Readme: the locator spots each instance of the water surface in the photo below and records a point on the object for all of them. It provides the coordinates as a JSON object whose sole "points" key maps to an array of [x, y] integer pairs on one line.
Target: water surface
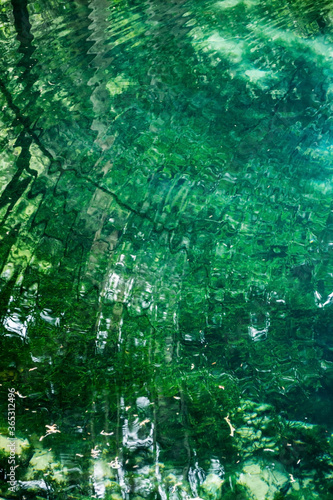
{"points": [[166, 250]]}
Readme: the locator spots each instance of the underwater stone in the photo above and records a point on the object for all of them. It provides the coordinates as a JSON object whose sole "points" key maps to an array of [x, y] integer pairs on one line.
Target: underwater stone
{"points": [[21, 445], [263, 481], [212, 487], [116, 496], [41, 460], [252, 469], [257, 486], [296, 486]]}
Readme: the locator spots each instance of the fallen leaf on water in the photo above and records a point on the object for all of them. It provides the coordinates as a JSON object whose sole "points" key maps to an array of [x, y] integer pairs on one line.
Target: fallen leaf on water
{"points": [[51, 429], [232, 429], [115, 464]]}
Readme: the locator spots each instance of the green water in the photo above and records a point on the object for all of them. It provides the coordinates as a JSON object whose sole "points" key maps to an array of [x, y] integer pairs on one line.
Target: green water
{"points": [[166, 249]]}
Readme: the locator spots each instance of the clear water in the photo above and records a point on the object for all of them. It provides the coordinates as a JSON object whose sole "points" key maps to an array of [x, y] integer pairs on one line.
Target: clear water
{"points": [[166, 250]]}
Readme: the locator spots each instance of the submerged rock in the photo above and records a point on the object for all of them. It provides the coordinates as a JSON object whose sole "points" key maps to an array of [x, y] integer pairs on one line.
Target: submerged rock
{"points": [[257, 486], [21, 445], [262, 480], [212, 487]]}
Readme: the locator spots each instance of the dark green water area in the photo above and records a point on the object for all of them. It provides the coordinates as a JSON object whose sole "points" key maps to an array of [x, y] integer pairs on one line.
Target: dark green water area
{"points": [[166, 249]]}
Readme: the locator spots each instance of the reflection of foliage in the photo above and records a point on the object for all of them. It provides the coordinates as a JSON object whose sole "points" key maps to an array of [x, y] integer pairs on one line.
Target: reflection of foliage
{"points": [[207, 407]]}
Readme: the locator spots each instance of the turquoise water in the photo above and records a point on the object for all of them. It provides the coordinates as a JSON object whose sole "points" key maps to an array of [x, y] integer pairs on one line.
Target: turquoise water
{"points": [[166, 254]]}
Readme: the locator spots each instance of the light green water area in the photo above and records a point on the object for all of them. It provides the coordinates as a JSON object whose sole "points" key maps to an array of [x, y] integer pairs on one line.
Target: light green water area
{"points": [[166, 249]]}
